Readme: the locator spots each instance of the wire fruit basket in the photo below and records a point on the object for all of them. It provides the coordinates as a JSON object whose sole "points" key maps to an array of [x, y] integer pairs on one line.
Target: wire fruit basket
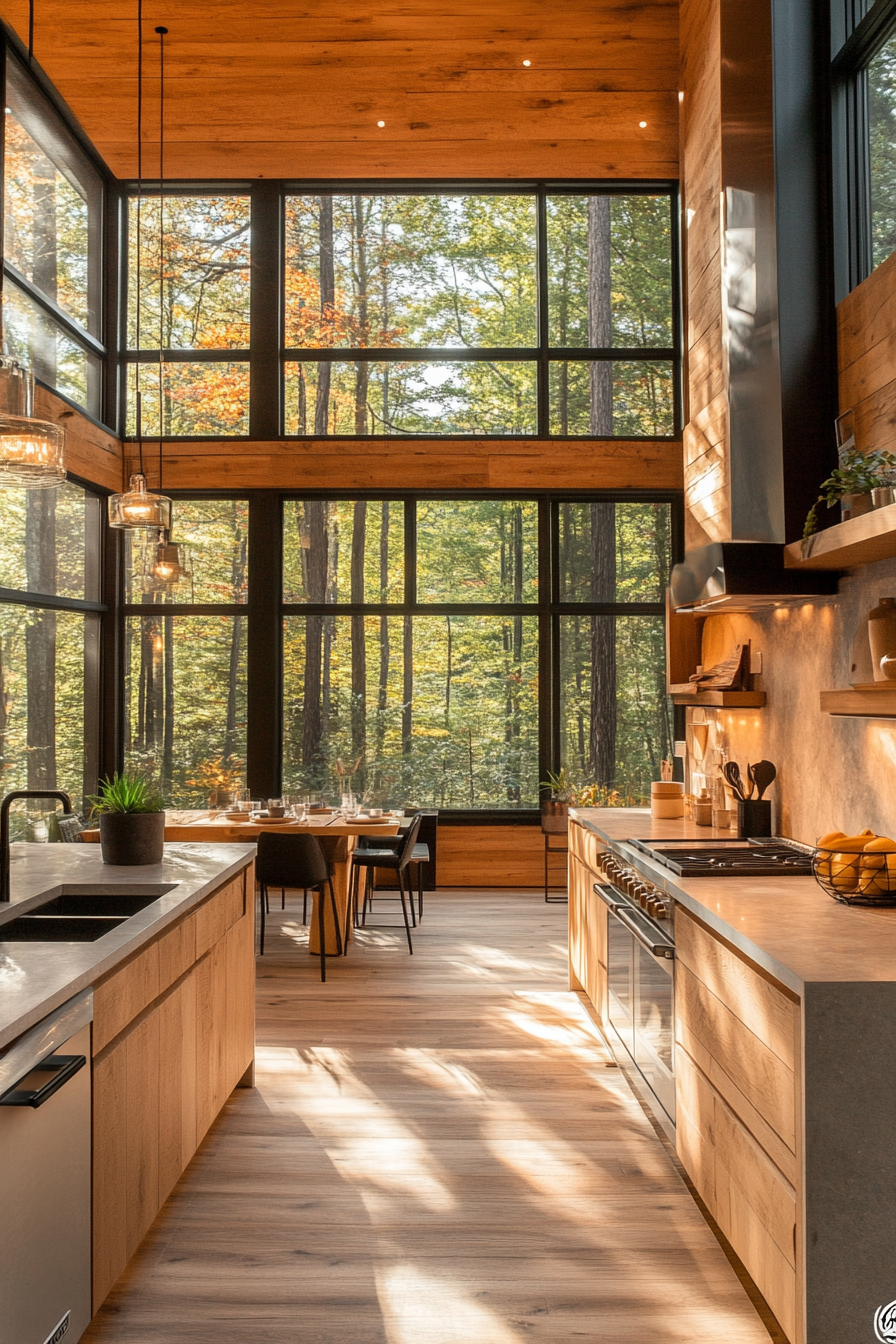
{"points": [[863, 878]]}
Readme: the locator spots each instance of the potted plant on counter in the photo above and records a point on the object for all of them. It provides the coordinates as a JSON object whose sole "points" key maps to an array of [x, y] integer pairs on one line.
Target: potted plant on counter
{"points": [[132, 821], [555, 810]]}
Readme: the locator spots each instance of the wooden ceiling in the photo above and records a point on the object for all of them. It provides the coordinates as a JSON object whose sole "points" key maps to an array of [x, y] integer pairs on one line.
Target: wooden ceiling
{"points": [[286, 88]]}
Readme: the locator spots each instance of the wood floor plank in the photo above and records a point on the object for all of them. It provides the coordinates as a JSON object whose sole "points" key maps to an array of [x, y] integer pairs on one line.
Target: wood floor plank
{"points": [[439, 1148]]}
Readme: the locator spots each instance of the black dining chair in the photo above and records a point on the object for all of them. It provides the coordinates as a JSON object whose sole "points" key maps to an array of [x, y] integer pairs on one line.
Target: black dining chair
{"points": [[398, 860], [296, 861], [421, 858]]}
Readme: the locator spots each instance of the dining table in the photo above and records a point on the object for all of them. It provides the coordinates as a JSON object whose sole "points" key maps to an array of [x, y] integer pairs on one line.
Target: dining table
{"points": [[337, 833]]}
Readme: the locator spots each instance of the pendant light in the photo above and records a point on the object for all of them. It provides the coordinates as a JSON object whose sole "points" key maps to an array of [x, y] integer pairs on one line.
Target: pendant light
{"points": [[137, 507], [32, 451]]}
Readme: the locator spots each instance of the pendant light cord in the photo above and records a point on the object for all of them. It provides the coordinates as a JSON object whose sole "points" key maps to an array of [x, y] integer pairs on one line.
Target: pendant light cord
{"points": [[139, 392], [161, 32]]}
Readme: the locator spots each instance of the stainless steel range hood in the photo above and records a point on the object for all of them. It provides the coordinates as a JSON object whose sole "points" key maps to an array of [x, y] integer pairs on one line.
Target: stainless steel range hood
{"points": [[769, 461], [742, 576]]}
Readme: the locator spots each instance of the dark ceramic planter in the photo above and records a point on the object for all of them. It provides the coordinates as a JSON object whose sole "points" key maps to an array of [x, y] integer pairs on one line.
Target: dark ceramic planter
{"points": [[554, 817], [131, 839]]}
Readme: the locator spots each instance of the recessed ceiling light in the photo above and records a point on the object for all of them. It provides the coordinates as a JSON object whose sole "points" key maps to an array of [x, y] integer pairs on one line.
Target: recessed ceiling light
{"points": [[681, 95], [527, 62], [642, 124], [381, 123]]}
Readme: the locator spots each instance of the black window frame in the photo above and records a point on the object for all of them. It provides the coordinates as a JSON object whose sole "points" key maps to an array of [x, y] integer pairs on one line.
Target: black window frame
{"points": [[857, 35], [265, 610], [95, 344], [267, 355]]}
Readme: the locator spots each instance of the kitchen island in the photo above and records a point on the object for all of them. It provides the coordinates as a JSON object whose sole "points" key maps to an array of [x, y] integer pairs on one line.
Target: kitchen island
{"points": [[173, 1015], [783, 1037]]}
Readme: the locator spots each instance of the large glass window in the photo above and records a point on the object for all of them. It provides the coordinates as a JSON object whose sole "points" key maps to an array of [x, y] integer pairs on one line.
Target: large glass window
{"points": [[438, 644], [882, 151], [185, 654], [188, 314], [49, 641], [52, 255]]}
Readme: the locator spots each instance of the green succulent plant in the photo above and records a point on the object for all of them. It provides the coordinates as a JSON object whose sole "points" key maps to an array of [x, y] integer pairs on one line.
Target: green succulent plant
{"points": [[126, 793], [857, 474]]}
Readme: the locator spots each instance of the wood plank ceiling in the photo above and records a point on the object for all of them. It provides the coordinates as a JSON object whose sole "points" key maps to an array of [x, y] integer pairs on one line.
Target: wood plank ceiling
{"points": [[275, 88]]}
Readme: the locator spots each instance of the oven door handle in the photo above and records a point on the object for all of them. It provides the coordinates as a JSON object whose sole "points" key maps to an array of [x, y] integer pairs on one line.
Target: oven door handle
{"points": [[662, 951], [607, 895]]}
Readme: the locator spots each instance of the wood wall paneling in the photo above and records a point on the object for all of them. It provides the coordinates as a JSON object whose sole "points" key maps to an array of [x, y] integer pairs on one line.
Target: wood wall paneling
{"points": [[496, 856], [866, 352], [448, 80]]}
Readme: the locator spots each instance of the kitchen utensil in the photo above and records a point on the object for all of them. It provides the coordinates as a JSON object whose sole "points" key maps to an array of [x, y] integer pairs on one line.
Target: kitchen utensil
{"points": [[764, 775], [731, 771]]}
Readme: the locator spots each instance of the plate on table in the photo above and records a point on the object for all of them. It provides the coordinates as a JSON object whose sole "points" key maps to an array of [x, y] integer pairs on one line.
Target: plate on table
{"points": [[265, 820], [238, 816], [371, 821]]}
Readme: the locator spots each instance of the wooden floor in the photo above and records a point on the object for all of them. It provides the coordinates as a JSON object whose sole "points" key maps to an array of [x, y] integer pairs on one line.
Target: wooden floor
{"points": [[439, 1150]]}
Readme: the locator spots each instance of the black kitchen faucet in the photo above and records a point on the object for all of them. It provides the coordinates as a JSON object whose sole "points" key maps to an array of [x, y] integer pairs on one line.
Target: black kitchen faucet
{"points": [[4, 826]]}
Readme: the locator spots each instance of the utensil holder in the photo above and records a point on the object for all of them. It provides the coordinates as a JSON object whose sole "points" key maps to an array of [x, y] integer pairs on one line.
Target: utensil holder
{"points": [[754, 818]]}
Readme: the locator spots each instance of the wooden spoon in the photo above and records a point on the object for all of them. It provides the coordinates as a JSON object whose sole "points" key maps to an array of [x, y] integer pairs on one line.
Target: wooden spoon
{"points": [[731, 771], [764, 773]]}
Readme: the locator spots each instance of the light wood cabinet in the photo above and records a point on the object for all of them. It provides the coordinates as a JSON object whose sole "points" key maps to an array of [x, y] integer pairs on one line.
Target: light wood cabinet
{"points": [[737, 1095], [174, 1032]]}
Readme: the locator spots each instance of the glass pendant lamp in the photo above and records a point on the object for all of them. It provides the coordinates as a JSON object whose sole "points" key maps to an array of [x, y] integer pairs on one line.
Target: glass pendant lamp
{"points": [[169, 569], [32, 452], [138, 507]]}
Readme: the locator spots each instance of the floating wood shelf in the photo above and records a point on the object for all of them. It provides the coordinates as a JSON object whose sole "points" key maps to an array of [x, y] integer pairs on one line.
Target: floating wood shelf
{"points": [[722, 699], [858, 541], [876, 700]]}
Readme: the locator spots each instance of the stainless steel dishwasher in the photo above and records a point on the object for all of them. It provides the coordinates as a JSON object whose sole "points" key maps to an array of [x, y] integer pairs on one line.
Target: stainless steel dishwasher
{"points": [[45, 1223]]}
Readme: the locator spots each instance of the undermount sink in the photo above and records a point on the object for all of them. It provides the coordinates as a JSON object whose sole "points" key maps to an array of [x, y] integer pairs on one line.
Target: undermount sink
{"points": [[81, 914], [58, 929]]}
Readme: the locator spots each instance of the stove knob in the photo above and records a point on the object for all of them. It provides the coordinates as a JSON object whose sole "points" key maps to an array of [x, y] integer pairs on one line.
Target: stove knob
{"points": [[660, 910]]}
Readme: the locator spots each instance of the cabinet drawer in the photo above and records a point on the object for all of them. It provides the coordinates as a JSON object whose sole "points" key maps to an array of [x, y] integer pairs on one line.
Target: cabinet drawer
{"points": [[584, 845], [219, 913], [748, 1196], [708, 1028]]}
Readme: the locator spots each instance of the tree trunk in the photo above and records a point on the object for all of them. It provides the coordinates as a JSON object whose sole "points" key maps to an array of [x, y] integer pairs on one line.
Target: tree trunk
{"points": [[362, 368], [383, 687], [316, 588], [40, 640], [168, 699], [599, 313], [602, 743], [359, 652], [327, 305], [238, 578], [407, 686]]}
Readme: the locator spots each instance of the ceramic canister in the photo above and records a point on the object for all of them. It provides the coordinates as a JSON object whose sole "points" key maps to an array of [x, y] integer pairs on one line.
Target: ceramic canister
{"points": [[882, 635], [666, 799]]}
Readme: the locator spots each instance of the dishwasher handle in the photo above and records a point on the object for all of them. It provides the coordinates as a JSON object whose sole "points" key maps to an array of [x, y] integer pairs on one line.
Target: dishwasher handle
{"points": [[64, 1067]]}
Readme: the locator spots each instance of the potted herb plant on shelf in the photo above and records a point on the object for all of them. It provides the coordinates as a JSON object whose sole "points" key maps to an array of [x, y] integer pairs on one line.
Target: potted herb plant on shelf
{"points": [[852, 484], [132, 821], [555, 810]]}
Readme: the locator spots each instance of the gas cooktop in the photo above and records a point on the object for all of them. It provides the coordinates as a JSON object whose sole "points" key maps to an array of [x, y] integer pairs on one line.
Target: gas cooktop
{"points": [[777, 857]]}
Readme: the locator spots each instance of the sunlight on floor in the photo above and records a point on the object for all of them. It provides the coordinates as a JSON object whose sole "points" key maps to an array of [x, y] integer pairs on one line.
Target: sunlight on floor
{"points": [[412, 1302]]}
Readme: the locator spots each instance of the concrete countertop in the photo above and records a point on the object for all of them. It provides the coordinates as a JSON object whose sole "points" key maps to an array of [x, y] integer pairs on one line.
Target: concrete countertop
{"points": [[36, 978], [787, 926]]}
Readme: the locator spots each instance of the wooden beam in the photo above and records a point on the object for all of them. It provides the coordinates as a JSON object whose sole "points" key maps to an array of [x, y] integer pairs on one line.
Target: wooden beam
{"points": [[408, 464], [91, 452]]}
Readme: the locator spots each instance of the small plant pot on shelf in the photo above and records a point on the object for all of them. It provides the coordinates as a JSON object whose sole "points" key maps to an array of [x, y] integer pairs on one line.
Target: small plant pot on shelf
{"points": [[554, 817], [132, 839], [853, 506], [856, 879]]}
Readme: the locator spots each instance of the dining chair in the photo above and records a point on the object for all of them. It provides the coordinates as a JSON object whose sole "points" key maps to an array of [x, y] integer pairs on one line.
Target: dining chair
{"points": [[422, 857], [398, 860], [296, 861]]}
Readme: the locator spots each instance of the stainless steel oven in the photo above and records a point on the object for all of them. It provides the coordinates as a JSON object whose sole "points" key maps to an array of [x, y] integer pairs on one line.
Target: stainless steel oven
{"points": [[641, 967]]}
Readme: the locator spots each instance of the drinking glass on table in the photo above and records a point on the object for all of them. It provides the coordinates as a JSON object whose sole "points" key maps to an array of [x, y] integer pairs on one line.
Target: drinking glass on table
{"points": [[349, 805]]}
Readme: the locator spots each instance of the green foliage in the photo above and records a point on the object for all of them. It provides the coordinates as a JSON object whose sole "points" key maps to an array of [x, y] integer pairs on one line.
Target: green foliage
{"points": [[562, 788], [126, 793], [882, 150], [857, 474]]}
